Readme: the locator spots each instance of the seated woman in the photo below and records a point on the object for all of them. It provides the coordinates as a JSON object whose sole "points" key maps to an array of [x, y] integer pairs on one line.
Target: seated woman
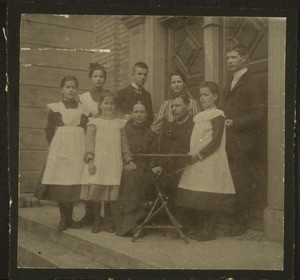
{"points": [[178, 88], [138, 173]]}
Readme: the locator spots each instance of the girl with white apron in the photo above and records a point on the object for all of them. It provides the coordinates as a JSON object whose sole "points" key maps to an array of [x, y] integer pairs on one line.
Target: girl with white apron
{"points": [[102, 173], [64, 166], [206, 184]]}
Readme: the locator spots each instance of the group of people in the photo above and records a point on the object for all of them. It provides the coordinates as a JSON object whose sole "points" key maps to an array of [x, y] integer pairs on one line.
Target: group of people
{"points": [[96, 141]]}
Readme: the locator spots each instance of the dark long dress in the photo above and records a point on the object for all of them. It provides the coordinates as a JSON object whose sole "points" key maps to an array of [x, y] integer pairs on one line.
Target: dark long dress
{"points": [[137, 185]]}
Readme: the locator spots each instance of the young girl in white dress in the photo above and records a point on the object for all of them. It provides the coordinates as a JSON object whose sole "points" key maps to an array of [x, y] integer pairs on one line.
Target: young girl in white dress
{"points": [[103, 157], [65, 132], [206, 184], [90, 100]]}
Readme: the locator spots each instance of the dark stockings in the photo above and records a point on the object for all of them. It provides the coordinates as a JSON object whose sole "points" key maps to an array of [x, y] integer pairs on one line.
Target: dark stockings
{"points": [[208, 222], [66, 216], [96, 208]]}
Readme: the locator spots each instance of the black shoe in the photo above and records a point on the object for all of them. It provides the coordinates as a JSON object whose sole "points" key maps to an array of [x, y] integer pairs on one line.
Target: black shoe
{"points": [[97, 227], [109, 228], [86, 220], [62, 226], [192, 233], [236, 230], [206, 235], [74, 224], [175, 235]]}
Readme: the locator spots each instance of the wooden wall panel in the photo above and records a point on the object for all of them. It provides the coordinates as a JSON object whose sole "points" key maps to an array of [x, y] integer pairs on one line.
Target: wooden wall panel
{"points": [[85, 23], [29, 180], [32, 160], [55, 36], [50, 77], [33, 139], [33, 118], [57, 58], [38, 97]]}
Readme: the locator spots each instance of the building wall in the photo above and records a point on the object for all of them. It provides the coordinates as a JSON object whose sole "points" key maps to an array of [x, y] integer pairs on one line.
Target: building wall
{"points": [[112, 35], [51, 47]]}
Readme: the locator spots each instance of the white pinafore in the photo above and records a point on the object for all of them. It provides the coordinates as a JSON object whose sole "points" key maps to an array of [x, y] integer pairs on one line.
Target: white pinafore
{"points": [[212, 174], [108, 156], [65, 163], [90, 105]]}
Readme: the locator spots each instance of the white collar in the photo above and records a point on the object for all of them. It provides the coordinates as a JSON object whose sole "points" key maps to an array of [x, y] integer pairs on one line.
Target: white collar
{"points": [[240, 73], [183, 121], [136, 87]]}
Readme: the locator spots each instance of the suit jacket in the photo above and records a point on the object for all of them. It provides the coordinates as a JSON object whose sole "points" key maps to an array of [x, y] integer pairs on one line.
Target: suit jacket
{"points": [[128, 96], [245, 105]]}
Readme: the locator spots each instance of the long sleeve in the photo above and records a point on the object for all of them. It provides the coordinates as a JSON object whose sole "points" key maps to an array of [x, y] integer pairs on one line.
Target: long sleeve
{"points": [[255, 113], [51, 125], [150, 110], [90, 142], [217, 133], [126, 152], [160, 120], [83, 122]]}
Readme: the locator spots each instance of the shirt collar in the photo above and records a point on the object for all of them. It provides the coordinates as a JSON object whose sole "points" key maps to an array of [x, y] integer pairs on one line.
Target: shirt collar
{"points": [[136, 87], [240, 73], [183, 121]]}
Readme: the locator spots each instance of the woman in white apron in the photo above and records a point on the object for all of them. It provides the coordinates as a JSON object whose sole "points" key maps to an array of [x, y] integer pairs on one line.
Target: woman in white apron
{"points": [[206, 185], [65, 132]]}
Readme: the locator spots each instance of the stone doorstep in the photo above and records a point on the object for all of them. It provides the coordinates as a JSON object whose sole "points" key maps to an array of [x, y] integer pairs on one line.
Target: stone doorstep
{"points": [[102, 254], [249, 251], [37, 252]]}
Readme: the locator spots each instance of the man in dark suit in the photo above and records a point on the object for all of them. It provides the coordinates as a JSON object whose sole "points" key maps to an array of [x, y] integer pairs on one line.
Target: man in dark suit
{"points": [[243, 104], [136, 92]]}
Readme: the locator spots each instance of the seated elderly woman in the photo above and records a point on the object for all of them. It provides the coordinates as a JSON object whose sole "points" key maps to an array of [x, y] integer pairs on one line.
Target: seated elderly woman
{"points": [[136, 188]]}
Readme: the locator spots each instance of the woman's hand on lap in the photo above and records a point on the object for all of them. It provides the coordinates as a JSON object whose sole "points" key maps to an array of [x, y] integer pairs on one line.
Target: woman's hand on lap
{"points": [[157, 170]]}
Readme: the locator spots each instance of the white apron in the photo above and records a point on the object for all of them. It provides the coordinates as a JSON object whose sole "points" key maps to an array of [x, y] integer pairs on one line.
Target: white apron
{"points": [[108, 156], [65, 163], [90, 105], [212, 174]]}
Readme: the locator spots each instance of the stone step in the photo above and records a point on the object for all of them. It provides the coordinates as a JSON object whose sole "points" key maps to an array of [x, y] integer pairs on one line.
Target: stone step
{"points": [[249, 251], [35, 251], [99, 248]]}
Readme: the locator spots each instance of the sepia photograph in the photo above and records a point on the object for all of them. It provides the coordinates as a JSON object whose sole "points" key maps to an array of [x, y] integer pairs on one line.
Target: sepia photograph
{"points": [[152, 142]]}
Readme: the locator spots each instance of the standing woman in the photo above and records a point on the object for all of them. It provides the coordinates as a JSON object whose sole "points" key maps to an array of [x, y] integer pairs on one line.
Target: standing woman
{"points": [[90, 100], [178, 87], [65, 134]]}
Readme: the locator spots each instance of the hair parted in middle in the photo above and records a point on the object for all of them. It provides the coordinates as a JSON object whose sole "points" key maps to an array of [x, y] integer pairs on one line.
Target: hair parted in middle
{"points": [[212, 86], [69, 78], [179, 73], [96, 66]]}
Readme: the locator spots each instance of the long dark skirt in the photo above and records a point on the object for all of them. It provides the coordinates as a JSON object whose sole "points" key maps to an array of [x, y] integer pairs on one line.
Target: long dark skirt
{"points": [[135, 190], [205, 201], [58, 193]]}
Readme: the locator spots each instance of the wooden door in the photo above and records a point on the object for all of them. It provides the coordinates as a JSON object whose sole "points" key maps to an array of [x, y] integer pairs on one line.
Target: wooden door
{"points": [[186, 51], [253, 34]]}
